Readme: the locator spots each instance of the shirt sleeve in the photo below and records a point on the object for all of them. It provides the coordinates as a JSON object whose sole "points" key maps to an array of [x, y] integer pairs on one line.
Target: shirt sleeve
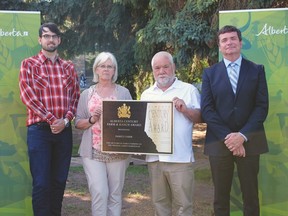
{"points": [[28, 96], [75, 95]]}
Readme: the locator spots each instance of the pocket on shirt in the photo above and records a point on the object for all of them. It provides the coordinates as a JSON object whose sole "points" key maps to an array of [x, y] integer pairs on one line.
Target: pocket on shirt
{"points": [[67, 81], [41, 80]]}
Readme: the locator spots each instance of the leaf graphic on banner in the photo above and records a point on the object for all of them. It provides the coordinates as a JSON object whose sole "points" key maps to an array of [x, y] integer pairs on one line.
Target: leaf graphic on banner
{"points": [[5, 60], [272, 51]]}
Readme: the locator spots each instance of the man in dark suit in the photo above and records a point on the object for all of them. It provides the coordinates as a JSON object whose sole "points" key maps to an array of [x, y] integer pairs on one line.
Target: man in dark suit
{"points": [[234, 105]]}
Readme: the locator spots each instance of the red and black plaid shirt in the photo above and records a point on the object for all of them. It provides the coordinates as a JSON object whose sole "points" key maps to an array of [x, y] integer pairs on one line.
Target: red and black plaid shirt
{"points": [[49, 90]]}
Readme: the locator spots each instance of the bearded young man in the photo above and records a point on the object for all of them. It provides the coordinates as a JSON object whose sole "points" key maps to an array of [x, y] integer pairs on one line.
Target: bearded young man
{"points": [[49, 89]]}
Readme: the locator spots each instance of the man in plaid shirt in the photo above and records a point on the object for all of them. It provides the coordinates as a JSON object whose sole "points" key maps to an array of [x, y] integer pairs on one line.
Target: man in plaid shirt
{"points": [[49, 89]]}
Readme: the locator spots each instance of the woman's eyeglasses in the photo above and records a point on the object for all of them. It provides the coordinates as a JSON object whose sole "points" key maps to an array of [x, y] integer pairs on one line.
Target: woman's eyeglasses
{"points": [[108, 67]]}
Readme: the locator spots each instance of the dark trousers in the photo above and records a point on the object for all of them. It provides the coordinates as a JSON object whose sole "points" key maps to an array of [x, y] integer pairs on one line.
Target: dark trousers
{"points": [[49, 156], [222, 173]]}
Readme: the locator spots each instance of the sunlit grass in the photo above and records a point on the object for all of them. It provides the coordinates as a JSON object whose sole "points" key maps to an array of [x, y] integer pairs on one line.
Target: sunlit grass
{"points": [[136, 195], [76, 192]]}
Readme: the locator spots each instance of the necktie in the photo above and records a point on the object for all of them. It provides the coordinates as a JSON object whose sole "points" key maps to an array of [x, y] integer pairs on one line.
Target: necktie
{"points": [[233, 76]]}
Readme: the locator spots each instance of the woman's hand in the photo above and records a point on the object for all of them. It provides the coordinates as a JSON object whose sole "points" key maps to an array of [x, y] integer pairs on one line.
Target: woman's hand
{"points": [[96, 115]]}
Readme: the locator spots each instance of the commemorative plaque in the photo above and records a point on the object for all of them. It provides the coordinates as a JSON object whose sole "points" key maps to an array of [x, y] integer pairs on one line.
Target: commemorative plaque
{"points": [[137, 127]]}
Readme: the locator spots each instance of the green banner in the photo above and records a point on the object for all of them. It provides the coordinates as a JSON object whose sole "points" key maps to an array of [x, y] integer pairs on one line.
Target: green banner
{"points": [[18, 40], [265, 40]]}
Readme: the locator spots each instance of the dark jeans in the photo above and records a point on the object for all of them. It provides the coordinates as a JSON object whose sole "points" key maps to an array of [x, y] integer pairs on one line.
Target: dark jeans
{"points": [[49, 156]]}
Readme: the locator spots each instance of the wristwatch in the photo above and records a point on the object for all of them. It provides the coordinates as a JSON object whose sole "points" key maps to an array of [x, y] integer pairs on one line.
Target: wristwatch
{"points": [[66, 122]]}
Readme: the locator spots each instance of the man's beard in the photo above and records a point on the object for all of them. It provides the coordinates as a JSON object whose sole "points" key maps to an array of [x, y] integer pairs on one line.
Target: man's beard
{"points": [[48, 49], [164, 82]]}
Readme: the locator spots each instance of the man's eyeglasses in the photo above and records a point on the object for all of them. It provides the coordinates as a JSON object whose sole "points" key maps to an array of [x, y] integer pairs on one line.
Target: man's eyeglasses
{"points": [[108, 67], [48, 37]]}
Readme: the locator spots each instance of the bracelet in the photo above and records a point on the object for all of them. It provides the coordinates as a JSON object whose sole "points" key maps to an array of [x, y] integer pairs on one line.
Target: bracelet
{"points": [[89, 120]]}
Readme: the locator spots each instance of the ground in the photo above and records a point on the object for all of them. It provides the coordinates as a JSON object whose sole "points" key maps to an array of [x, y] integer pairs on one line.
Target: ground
{"points": [[137, 190]]}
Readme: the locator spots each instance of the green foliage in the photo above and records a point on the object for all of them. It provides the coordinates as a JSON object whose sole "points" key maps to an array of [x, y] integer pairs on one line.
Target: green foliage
{"points": [[193, 72], [142, 81], [150, 39], [13, 5], [134, 30], [193, 33]]}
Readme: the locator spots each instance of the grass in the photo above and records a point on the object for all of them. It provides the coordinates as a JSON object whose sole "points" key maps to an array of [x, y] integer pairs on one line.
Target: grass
{"points": [[74, 186], [137, 188], [76, 169], [136, 183], [203, 175], [136, 192], [136, 170], [75, 148]]}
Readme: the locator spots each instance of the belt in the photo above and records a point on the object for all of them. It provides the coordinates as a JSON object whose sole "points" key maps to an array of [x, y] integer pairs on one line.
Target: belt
{"points": [[42, 125]]}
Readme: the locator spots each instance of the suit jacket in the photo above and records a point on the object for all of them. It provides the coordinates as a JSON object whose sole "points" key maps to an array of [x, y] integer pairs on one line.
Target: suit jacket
{"points": [[243, 112]]}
